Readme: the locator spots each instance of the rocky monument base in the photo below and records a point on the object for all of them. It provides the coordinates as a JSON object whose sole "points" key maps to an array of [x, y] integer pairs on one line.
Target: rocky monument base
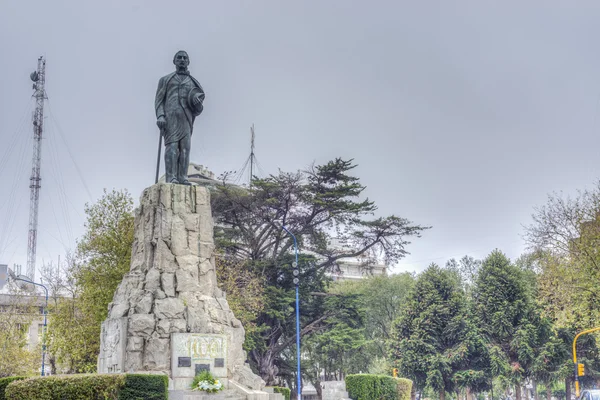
{"points": [[168, 316]]}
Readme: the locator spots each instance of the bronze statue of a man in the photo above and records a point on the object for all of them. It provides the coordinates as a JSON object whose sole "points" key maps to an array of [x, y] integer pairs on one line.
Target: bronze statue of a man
{"points": [[179, 100]]}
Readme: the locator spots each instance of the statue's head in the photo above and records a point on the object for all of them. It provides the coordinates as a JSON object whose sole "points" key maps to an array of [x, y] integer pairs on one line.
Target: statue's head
{"points": [[181, 59]]}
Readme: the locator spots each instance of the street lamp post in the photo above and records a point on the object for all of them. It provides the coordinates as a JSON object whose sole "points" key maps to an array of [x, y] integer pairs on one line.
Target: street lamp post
{"points": [[16, 278], [296, 282]]}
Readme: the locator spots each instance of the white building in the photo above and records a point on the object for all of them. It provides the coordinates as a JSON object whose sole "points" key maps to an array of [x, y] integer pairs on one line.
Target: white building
{"points": [[354, 268], [31, 310]]}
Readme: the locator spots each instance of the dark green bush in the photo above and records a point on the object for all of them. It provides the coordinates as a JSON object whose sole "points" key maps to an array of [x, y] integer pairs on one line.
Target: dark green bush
{"points": [[145, 387], [90, 387], [283, 390], [377, 387], [4, 383], [67, 387]]}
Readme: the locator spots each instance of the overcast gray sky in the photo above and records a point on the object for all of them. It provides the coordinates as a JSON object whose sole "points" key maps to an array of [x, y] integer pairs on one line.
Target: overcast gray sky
{"points": [[462, 115]]}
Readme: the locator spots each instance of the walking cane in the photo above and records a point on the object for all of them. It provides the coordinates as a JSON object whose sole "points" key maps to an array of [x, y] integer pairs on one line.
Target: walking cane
{"points": [[158, 159]]}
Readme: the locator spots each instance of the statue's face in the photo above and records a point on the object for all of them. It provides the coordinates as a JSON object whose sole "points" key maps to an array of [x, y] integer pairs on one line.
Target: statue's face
{"points": [[181, 59]]}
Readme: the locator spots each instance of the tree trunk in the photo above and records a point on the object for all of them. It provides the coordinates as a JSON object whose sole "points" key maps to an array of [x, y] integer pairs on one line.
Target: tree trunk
{"points": [[317, 385], [442, 394], [517, 391], [266, 367], [52, 365], [413, 392], [535, 393], [548, 392], [568, 388], [469, 395]]}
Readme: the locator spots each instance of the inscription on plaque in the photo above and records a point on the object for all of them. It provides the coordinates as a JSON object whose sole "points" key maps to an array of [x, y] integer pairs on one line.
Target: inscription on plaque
{"points": [[200, 351], [184, 361], [202, 367]]}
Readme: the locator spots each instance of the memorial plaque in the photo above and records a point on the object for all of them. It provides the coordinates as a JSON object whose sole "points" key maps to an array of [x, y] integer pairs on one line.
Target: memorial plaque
{"points": [[205, 351], [184, 361], [202, 367]]}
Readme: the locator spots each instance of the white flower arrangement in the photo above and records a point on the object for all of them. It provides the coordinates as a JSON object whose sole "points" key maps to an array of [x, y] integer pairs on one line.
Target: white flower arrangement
{"points": [[205, 382], [210, 387]]}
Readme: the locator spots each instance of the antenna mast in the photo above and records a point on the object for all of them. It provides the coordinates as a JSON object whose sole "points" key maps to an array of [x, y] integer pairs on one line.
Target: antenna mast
{"points": [[251, 153], [39, 80]]}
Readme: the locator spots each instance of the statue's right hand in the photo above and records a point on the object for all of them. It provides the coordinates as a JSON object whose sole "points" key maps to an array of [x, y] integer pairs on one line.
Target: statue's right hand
{"points": [[161, 123]]}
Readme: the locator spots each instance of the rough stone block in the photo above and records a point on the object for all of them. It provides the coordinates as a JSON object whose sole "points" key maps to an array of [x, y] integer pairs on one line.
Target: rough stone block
{"points": [[186, 282], [144, 305], [141, 325], [169, 308], [206, 249], [188, 263], [191, 222], [135, 344], [202, 196], [119, 310], [157, 354], [134, 361], [168, 284], [152, 279], [179, 237]]}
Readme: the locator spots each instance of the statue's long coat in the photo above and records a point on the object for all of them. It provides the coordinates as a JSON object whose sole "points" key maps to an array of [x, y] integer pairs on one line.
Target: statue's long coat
{"points": [[178, 113]]}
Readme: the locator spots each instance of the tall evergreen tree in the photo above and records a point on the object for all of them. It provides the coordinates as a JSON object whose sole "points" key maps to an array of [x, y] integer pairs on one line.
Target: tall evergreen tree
{"points": [[509, 319], [435, 343]]}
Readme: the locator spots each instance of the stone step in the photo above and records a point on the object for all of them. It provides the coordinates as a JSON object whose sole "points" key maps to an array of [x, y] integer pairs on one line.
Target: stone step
{"points": [[227, 394]]}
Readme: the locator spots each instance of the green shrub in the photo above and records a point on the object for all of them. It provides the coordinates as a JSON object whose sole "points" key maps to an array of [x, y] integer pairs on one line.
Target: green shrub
{"points": [[145, 387], [380, 387], [4, 383], [286, 392], [403, 387], [90, 387], [73, 387]]}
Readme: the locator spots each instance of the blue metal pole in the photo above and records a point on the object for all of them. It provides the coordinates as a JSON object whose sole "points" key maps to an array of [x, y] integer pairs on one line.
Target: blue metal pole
{"points": [[297, 318], [45, 320]]}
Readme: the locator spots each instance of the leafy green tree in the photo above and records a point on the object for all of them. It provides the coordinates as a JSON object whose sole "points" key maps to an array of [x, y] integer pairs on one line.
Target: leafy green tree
{"points": [[381, 299], [339, 350], [16, 315], [509, 319], [565, 235], [103, 257], [435, 342], [312, 204]]}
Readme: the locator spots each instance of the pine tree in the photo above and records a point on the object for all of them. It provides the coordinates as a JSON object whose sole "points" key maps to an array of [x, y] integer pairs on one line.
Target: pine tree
{"points": [[509, 319], [435, 342]]}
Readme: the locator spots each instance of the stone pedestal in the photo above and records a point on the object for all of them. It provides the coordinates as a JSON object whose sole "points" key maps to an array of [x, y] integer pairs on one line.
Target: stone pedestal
{"points": [[170, 295]]}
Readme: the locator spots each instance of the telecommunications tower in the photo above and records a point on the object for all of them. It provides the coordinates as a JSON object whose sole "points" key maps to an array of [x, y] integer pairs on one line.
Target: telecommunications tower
{"points": [[39, 80]]}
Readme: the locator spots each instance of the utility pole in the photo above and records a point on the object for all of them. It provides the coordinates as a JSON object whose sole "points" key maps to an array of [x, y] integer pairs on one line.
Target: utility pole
{"points": [[39, 80]]}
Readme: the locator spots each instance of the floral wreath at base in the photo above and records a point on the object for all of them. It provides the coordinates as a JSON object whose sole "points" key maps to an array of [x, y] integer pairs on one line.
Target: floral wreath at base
{"points": [[204, 381]]}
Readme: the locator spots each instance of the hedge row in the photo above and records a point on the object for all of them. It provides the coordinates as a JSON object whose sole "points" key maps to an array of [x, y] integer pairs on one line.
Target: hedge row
{"points": [[284, 391], [380, 387], [4, 383], [90, 387]]}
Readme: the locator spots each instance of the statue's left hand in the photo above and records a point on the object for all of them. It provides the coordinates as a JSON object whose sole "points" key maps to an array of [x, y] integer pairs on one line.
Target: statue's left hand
{"points": [[197, 100]]}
